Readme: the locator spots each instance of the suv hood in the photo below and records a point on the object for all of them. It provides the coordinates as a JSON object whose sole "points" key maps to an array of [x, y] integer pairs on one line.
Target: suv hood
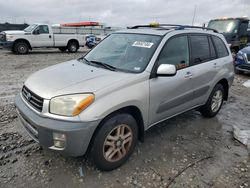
{"points": [[246, 50], [72, 77], [15, 32]]}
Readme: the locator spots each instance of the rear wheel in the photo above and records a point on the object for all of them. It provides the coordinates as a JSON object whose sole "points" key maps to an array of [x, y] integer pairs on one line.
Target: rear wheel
{"points": [[214, 102], [114, 142], [21, 48], [72, 47], [62, 49]]}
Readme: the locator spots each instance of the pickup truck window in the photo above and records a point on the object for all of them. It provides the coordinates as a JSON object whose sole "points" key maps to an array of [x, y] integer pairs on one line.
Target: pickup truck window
{"points": [[125, 52], [43, 29], [30, 28], [224, 26]]}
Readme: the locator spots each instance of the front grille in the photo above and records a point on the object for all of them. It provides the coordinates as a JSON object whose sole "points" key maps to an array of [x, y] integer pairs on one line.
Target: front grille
{"points": [[33, 99], [244, 66], [31, 129]]}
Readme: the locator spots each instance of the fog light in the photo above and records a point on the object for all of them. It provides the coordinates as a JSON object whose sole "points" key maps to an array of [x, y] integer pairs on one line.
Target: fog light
{"points": [[59, 140], [59, 144]]}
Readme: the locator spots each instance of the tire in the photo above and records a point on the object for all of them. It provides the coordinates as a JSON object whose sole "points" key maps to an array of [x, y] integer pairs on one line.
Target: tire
{"points": [[62, 49], [110, 147], [214, 102], [72, 47], [21, 48]]}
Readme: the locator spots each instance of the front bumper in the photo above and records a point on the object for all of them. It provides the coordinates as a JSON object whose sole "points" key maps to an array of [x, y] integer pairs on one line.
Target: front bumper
{"points": [[41, 129], [7, 44], [243, 67]]}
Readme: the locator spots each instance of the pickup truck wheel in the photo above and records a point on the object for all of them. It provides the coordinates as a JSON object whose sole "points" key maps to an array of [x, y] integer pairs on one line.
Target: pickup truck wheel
{"points": [[62, 49], [114, 142], [214, 102], [21, 48], [72, 47]]}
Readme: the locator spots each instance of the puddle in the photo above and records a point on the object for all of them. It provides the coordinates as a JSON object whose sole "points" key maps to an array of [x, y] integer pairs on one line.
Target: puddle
{"points": [[247, 84]]}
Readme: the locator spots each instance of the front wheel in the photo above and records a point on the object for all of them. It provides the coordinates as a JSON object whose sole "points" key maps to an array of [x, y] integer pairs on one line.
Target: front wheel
{"points": [[21, 48], [114, 142], [214, 102]]}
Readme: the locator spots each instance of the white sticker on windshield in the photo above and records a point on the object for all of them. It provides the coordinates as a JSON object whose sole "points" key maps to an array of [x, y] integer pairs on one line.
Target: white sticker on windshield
{"points": [[143, 44], [137, 68]]}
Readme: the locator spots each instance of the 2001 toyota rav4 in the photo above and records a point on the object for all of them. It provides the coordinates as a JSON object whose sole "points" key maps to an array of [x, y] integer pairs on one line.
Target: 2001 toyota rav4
{"points": [[103, 102]]}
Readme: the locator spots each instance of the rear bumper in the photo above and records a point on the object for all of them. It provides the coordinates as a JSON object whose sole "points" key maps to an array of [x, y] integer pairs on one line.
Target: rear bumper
{"points": [[7, 44], [41, 129]]}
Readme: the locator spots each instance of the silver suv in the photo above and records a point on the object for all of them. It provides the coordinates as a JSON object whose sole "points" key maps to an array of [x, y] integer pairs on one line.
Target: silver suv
{"points": [[103, 102]]}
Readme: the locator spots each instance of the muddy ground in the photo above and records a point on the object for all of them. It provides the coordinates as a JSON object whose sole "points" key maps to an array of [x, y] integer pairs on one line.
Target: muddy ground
{"points": [[169, 148]]}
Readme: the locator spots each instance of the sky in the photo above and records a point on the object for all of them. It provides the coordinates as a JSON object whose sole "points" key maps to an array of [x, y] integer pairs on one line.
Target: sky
{"points": [[120, 13]]}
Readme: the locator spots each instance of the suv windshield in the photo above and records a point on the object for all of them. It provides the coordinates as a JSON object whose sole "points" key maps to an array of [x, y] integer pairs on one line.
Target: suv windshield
{"points": [[30, 28], [224, 26], [125, 52]]}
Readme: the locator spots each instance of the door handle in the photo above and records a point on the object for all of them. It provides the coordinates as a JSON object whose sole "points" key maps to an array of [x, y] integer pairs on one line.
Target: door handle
{"points": [[188, 75], [215, 65], [50, 36]]}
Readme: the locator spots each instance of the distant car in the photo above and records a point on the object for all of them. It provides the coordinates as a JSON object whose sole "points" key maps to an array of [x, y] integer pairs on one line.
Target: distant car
{"points": [[93, 40], [242, 62]]}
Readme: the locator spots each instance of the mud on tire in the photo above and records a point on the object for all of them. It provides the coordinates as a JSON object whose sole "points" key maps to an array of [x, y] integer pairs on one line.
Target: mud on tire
{"points": [[114, 142], [214, 102]]}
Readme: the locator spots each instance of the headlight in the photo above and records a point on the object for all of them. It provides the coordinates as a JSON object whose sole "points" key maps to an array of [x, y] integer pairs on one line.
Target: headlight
{"points": [[240, 57], [70, 105], [9, 37]]}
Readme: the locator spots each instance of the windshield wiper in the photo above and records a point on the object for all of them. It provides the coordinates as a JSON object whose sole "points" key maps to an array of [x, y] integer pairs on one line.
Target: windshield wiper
{"points": [[105, 65]]}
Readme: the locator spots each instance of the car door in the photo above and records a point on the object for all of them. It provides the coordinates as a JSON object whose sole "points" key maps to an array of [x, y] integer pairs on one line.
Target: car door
{"points": [[42, 37], [205, 66], [174, 94]]}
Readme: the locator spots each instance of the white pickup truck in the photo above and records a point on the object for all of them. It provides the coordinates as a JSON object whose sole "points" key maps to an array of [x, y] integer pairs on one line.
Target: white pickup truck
{"points": [[42, 36]]}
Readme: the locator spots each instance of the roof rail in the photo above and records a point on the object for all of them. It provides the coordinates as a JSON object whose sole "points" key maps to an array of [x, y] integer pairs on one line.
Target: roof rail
{"points": [[154, 26], [171, 26], [196, 27]]}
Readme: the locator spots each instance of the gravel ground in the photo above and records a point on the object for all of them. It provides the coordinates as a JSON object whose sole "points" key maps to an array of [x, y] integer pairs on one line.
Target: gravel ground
{"points": [[185, 151]]}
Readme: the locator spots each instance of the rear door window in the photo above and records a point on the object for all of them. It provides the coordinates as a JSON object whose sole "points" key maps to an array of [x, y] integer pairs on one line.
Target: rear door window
{"points": [[199, 48], [220, 47], [212, 49], [175, 52]]}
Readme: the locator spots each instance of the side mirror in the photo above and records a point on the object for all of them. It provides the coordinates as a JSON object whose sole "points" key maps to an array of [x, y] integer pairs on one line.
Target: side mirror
{"points": [[166, 70]]}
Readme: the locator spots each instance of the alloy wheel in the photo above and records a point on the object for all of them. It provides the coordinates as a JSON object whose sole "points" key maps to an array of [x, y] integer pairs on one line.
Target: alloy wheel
{"points": [[117, 143]]}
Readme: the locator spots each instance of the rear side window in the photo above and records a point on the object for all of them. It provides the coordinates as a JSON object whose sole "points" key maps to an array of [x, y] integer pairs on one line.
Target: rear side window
{"points": [[220, 47], [212, 49], [200, 48], [175, 52]]}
